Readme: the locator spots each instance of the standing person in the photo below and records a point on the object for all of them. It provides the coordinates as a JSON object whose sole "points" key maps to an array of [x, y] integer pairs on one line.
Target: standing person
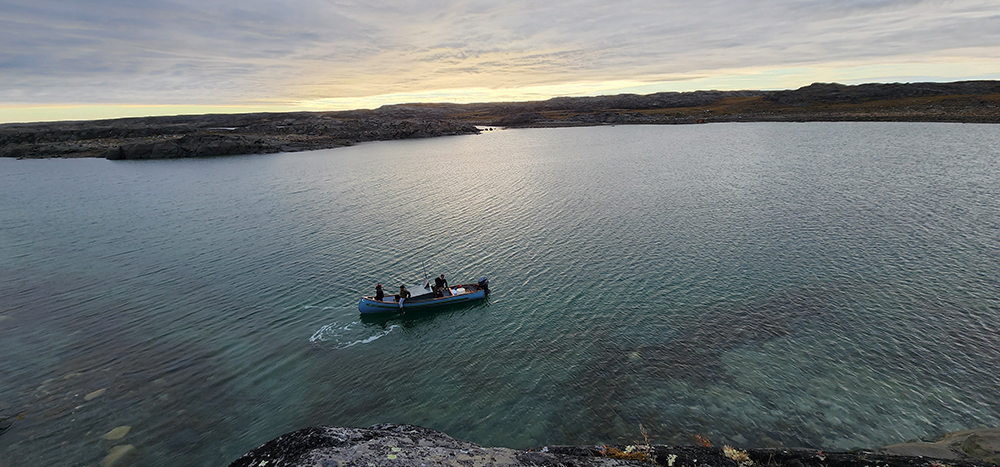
{"points": [[379, 295], [439, 284]]}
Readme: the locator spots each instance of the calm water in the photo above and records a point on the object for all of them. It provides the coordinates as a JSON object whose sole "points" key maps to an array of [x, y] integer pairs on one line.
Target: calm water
{"points": [[820, 285]]}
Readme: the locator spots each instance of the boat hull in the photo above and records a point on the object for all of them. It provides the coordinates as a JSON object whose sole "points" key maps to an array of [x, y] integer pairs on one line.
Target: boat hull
{"points": [[472, 292]]}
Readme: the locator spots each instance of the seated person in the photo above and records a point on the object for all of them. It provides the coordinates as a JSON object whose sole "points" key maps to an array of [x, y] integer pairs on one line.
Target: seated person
{"points": [[439, 284], [403, 293]]}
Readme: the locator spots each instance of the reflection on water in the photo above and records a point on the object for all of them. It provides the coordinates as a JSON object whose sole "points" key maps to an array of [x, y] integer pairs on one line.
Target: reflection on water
{"points": [[821, 285]]}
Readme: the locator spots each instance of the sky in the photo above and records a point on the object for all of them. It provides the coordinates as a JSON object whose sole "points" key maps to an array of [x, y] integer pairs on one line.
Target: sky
{"points": [[86, 59]]}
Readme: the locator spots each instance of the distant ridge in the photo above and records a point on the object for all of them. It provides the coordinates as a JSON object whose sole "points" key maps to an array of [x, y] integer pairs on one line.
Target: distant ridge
{"points": [[231, 134], [829, 93]]}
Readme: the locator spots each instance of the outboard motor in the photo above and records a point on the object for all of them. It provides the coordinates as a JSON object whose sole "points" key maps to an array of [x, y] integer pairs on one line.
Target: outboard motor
{"points": [[484, 284]]}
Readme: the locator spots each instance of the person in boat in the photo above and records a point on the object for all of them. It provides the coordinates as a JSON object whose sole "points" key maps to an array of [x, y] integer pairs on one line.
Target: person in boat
{"points": [[379, 295], [403, 293], [439, 284]]}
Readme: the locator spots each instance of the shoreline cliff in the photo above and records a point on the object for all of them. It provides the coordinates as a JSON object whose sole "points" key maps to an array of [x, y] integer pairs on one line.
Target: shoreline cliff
{"points": [[257, 133]]}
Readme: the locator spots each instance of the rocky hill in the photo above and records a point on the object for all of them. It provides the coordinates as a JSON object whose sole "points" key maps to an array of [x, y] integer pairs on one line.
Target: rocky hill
{"points": [[217, 135]]}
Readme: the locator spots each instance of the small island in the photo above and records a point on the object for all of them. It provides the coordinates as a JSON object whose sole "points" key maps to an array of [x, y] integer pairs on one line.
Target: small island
{"points": [[259, 133]]}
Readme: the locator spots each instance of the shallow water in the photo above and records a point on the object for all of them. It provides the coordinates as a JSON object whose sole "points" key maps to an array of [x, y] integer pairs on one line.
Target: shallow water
{"points": [[828, 285]]}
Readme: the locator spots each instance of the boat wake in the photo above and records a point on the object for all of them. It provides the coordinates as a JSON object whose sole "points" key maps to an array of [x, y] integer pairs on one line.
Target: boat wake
{"points": [[337, 336]]}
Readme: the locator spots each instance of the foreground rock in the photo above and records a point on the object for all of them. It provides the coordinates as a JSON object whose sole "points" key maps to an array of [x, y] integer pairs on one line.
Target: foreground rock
{"points": [[407, 445]]}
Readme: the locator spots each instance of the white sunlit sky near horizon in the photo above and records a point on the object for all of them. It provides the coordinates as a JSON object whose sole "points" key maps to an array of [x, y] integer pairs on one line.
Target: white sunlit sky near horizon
{"points": [[88, 59]]}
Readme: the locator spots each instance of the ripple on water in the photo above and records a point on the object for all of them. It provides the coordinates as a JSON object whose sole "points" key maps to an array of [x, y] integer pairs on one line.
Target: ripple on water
{"points": [[342, 336]]}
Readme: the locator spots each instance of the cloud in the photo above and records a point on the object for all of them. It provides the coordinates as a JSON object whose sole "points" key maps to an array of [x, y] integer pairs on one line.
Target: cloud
{"points": [[244, 52]]}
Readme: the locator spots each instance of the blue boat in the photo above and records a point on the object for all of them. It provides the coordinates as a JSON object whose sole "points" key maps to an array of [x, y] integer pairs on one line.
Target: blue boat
{"points": [[426, 300]]}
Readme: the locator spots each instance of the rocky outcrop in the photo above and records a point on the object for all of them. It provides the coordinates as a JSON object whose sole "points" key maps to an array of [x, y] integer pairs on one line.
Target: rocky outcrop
{"points": [[291, 135], [215, 135], [407, 445], [191, 146]]}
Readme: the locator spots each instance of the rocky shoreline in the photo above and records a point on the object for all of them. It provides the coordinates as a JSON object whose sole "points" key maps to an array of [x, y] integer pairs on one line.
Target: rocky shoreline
{"points": [[223, 135], [408, 445], [213, 135]]}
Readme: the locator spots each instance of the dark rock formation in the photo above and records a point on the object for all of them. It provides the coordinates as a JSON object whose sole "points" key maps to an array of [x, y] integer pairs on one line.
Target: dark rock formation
{"points": [[215, 135], [191, 146], [407, 445]]}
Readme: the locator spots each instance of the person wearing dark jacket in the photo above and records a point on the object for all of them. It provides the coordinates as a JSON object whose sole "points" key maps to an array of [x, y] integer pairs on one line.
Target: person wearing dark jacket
{"points": [[439, 284]]}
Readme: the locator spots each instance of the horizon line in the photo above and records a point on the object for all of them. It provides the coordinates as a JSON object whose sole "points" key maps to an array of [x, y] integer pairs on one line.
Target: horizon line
{"points": [[114, 111]]}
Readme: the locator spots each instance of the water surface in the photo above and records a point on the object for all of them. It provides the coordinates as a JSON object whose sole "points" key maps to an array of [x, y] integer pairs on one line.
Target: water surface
{"points": [[827, 285]]}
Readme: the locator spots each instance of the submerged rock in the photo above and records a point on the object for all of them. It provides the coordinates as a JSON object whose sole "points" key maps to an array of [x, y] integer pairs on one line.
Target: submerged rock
{"points": [[407, 445], [117, 433], [95, 394], [982, 444], [118, 455], [183, 440]]}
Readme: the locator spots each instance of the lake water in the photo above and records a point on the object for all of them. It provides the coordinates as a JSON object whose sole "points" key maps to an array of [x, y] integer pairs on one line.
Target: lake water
{"points": [[825, 285]]}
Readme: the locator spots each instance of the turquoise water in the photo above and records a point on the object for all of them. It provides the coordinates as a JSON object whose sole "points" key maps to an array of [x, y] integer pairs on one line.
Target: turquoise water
{"points": [[827, 285]]}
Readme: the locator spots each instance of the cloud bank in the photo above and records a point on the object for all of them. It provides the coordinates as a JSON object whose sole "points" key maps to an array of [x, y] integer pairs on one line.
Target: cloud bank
{"points": [[318, 52]]}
